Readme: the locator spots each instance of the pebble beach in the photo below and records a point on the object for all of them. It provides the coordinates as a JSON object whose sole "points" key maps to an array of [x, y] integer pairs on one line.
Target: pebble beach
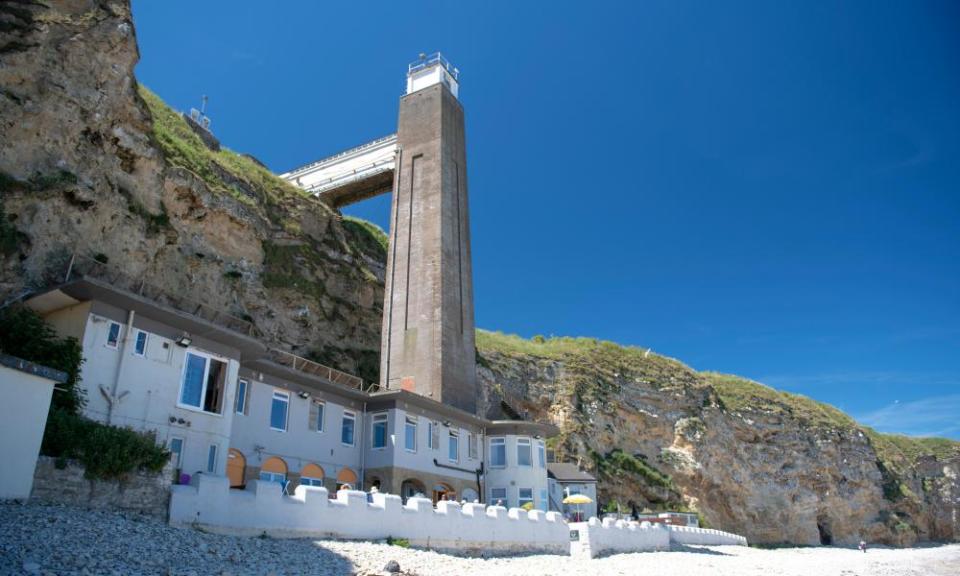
{"points": [[38, 539]]}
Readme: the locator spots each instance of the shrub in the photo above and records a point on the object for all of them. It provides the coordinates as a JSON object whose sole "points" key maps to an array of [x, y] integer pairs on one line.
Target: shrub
{"points": [[24, 334], [401, 542], [107, 452], [233, 274]]}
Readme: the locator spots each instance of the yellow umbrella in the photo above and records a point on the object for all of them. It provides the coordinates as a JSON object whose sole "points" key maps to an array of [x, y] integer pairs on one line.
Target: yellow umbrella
{"points": [[577, 499]]}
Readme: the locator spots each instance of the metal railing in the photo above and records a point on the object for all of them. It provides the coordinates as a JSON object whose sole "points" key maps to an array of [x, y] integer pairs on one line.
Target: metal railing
{"points": [[435, 59], [296, 171], [301, 364]]}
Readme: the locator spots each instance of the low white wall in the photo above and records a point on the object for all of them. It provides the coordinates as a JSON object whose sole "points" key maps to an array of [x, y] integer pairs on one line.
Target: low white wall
{"points": [[595, 538], [611, 537], [684, 535], [261, 508]]}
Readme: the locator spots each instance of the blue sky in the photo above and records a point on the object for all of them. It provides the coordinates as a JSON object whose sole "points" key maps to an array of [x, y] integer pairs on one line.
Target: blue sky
{"points": [[770, 189]]}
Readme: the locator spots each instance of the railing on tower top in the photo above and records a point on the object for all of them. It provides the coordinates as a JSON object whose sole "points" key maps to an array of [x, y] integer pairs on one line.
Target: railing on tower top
{"points": [[80, 267], [435, 59]]}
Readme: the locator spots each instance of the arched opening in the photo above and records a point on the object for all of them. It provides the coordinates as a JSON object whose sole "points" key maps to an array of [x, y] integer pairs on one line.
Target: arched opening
{"points": [[311, 475], [412, 487], [274, 470], [470, 495], [443, 491], [236, 468], [346, 479], [371, 482], [823, 527]]}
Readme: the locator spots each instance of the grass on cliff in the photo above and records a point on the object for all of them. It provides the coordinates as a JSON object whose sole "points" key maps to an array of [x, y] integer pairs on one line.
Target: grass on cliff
{"points": [[182, 147], [371, 237], [743, 395]]}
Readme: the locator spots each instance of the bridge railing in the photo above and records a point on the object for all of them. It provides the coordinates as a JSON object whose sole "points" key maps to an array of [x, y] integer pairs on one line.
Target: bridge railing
{"points": [[435, 59]]}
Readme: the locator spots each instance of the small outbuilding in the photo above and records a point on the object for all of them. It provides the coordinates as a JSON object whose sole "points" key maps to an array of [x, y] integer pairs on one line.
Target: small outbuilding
{"points": [[26, 389], [567, 479]]}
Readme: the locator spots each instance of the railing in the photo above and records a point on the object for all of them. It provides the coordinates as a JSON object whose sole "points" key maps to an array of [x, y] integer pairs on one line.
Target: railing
{"points": [[84, 267], [435, 59], [365, 171], [349, 151], [301, 364]]}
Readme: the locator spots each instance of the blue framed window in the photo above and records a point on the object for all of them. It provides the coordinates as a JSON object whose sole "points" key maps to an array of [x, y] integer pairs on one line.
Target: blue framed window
{"points": [[498, 452], [453, 449], [241, 407], [212, 459], [379, 436], [279, 407], [410, 434], [113, 335], [523, 452], [140, 344], [347, 426]]}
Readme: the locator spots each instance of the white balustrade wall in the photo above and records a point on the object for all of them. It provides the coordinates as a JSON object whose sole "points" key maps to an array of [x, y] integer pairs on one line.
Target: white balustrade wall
{"points": [[596, 538], [684, 535], [262, 508]]}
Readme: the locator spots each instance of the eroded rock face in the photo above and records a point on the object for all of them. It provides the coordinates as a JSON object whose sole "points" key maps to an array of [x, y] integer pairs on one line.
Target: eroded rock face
{"points": [[81, 173]]}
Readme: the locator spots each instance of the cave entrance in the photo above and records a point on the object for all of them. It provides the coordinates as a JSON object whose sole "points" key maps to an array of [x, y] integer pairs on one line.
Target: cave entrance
{"points": [[823, 527]]}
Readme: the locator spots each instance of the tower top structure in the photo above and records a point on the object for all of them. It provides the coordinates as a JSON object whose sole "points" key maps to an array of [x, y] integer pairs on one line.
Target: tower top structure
{"points": [[430, 70]]}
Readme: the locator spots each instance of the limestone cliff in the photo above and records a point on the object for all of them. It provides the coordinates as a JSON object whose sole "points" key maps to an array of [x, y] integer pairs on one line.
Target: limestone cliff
{"points": [[773, 466], [96, 168]]}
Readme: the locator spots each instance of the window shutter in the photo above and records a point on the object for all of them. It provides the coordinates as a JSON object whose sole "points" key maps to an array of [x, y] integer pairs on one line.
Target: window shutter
{"points": [[314, 412], [435, 440]]}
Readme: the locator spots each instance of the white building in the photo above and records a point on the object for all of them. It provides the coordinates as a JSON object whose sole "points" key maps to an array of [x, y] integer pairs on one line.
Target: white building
{"points": [[226, 404], [568, 480]]}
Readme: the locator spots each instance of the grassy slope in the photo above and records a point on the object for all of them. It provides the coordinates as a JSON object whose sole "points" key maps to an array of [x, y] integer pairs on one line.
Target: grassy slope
{"points": [[221, 170], [736, 394]]}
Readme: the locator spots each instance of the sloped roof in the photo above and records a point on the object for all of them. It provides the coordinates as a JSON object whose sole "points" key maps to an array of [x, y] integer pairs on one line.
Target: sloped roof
{"points": [[563, 472]]}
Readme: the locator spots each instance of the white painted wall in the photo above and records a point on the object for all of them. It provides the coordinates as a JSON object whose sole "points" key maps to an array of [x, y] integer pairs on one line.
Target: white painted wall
{"points": [[23, 416], [596, 538], [513, 477], [309, 513], [149, 387], [299, 445], [396, 454]]}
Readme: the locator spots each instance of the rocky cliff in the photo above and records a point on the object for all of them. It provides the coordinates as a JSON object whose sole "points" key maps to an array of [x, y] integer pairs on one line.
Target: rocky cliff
{"points": [[97, 169]]}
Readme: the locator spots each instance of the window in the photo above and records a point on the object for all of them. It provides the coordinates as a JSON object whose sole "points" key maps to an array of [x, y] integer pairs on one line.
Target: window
{"points": [[543, 500], [241, 406], [176, 451], [140, 344], [523, 451], [379, 436], [318, 411], [525, 497], [498, 453], [346, 428], [307, 481], [541, 455], [498, 496], [453, 450], [212, 459], [410, 434], [278, 411], [433, 435], [113, 335], [203, 382], [471, 446], [273, 477]]}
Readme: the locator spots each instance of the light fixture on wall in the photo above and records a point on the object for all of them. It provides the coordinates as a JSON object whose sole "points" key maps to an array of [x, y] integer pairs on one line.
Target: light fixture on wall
{"points": [[184, 340], [537, 437], [446, 423], [304, 394]]}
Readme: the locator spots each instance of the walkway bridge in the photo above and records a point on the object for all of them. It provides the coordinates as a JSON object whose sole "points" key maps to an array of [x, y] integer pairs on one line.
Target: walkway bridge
{"points": [[350, 176]]}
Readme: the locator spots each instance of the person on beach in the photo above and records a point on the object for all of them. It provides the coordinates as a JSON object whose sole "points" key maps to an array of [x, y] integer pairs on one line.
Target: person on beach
{"points": [[863, 546]]}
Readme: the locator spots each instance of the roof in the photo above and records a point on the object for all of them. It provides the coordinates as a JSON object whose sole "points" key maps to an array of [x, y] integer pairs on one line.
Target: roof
{"points": [[31, 368], [563, 472]]}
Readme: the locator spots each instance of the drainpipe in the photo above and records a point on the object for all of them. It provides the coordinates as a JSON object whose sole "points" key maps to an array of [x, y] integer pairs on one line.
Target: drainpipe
{"points": [[112, 399], [363, 448]]}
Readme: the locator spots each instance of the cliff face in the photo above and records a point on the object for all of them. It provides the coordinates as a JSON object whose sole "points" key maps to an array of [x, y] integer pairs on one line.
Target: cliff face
{"points": [[93, 166], [773, 466]]}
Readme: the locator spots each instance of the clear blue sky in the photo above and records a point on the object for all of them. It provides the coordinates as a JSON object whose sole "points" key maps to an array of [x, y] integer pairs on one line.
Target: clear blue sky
{"points": [[765, 188]]}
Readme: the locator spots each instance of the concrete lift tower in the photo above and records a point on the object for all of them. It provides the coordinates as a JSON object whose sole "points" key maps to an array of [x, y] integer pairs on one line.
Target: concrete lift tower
{"points": [[427, 343]]}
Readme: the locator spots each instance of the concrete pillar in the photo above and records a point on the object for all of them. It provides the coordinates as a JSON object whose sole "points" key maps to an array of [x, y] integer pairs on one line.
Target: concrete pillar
{"points": [[428, 332]]}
